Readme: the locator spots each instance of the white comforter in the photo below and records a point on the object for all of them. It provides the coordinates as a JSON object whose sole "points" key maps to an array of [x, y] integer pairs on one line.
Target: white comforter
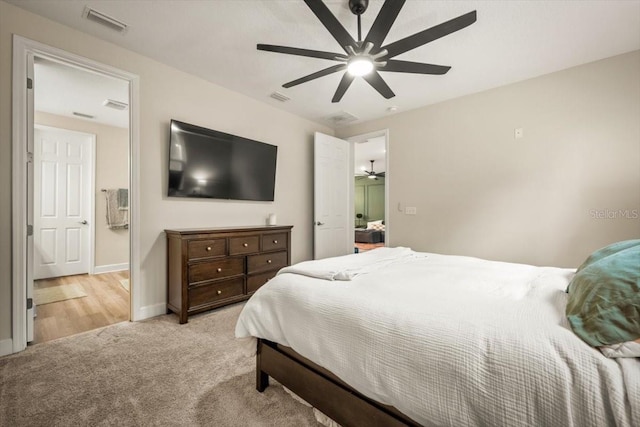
{"points": [[449, 340]]}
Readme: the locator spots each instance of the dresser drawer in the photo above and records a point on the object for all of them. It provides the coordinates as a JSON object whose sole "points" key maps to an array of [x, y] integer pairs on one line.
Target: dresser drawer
{"points": [[215, 269], [272, 242], [211, 293], [244, 245], [266, 262], [254, 282], [207, 248]]}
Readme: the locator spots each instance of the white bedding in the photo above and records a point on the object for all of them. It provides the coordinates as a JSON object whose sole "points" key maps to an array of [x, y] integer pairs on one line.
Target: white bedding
{"points": [[451, 340], [346, 268]]}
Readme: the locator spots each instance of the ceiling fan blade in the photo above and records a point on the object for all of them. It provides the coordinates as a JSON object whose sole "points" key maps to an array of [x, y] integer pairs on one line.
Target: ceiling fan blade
{"points": [[331, 23], [302, 52], [346, 81], [375, 80], [430, 34], [317, 74], [385, 19], [414, 67]]}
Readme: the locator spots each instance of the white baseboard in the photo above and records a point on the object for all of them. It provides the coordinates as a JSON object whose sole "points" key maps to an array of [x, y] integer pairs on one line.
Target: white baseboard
{"points": [[110, 268], [149, 311], [6, 347]]}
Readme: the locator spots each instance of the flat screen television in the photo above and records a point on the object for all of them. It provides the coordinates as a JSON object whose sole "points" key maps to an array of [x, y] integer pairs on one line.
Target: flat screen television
{"points": [[205, 163]]}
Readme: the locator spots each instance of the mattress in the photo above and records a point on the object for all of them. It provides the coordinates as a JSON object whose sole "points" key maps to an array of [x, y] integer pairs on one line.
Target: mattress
{"points": [[447, 340]]}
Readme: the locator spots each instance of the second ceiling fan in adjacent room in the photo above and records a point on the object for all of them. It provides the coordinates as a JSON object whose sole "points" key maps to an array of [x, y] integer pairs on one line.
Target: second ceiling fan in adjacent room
{"points": [[372, 174]]}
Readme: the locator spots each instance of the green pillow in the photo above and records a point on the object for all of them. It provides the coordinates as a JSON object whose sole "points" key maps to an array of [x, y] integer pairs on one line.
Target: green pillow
{"points": [[604, 296], [608, 250]]}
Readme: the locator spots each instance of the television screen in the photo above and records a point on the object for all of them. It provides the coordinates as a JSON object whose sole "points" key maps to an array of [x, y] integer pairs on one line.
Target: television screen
{"points": [[211, 164]]}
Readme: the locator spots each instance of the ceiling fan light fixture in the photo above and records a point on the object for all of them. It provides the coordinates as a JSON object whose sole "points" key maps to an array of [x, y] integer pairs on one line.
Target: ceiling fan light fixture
{"points": [[360, 66], [372, 177]]}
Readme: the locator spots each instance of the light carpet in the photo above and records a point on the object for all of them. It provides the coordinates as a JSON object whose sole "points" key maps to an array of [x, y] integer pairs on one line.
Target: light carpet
{"points": [[125, 284], [154, 372], [58, 293]]}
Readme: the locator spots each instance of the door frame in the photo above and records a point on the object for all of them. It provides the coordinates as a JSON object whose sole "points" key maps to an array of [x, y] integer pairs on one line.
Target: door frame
{"points": [[362, 138], [24, 48], [92, 193]]}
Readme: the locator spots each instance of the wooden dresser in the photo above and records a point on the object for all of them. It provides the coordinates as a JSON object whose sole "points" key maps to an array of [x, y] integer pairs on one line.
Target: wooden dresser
{"points": [[212, 267]]}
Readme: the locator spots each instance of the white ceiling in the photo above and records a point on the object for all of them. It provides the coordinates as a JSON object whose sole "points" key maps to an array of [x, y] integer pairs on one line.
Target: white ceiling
{"points": [[216, 40], [61, 89]]}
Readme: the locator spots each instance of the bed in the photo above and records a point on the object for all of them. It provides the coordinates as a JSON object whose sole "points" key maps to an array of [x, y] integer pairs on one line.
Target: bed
{"points": [[397, 337]]}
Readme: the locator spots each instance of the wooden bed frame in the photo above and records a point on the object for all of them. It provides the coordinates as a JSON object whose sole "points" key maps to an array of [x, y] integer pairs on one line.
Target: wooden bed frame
{"points": [[322, 389]]}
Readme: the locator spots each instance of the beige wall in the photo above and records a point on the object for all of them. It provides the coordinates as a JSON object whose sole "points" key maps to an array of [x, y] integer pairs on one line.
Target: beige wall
{"points": [[480, 192], [167, 93], [112, 171]]}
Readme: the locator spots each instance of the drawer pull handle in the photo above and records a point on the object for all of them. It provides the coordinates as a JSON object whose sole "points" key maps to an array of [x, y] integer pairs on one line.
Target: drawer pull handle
{"points": [[275, 242], [208, 248], [219, 292], [268, 261], [219, 270], [245, 245]]}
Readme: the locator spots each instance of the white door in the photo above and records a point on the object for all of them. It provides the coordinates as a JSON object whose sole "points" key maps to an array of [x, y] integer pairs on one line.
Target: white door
{"points": [[333, 210], [63, 162]]}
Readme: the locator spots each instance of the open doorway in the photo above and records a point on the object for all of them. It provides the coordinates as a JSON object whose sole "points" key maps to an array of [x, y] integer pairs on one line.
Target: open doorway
{"points": [[370, 184], [80, 251]]}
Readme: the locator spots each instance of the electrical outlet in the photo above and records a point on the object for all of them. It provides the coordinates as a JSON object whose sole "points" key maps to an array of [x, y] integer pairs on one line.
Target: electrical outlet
{"points": [[410, 210]]}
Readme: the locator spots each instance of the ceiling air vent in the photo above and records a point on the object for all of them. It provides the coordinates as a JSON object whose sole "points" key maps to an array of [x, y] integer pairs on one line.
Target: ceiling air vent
{"points": [[341, 118], [279, 97], [116, 105], [85, 116], [106, 20]]}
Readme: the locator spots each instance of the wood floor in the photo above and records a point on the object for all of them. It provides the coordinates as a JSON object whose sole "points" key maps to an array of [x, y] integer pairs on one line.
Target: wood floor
{"points": [[106, 303], [363, 247]]}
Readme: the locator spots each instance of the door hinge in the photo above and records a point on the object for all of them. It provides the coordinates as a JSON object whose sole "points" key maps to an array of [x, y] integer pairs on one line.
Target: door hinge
{"points": [[29, 303], [29, 83], [29, 230], [29, 157]]}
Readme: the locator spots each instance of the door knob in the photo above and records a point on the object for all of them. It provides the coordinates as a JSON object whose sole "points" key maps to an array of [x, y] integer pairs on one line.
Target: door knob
{"points": [[84, 222], [319, 223]]}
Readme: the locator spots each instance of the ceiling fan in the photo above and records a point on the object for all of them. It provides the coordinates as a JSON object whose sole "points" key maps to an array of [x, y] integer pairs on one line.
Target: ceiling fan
{"points": [[365, 58], [371, 174]]}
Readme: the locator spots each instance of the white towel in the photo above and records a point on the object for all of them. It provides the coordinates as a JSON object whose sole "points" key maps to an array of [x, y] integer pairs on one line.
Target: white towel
{"points": [[116, 218], [349, 266]]}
